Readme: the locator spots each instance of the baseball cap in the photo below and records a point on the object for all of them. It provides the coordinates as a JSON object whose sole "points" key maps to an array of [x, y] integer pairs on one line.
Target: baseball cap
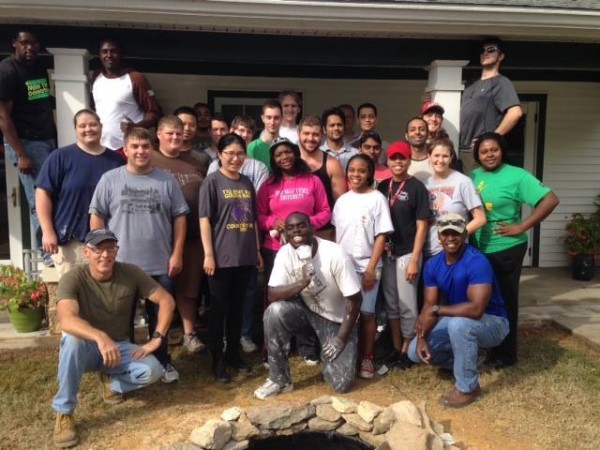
{"points": [[430, 106], [281, 141], [99, 235], [453, 222], [399, 148]]}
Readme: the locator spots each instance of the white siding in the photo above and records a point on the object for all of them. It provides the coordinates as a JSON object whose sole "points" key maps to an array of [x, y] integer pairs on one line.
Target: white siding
{"points": [[571, 157], [572, 141]]}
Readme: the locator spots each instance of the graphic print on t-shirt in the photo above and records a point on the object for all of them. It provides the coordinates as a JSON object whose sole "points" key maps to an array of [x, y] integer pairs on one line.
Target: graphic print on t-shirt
{"points": [[37, 89], [241, 215], [438, 199], [137, 200], [292, 193]]}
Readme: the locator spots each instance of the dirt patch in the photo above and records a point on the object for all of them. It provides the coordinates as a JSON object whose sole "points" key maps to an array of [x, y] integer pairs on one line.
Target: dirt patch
{"points": [[544, 402]]}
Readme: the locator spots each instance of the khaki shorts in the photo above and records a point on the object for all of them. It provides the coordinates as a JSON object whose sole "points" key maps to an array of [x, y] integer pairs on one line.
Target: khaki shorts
{"points": [[69, 256]]}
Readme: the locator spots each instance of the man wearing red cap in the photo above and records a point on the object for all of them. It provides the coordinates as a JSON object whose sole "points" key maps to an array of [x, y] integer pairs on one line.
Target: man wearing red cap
{"points": [[433, 114]]}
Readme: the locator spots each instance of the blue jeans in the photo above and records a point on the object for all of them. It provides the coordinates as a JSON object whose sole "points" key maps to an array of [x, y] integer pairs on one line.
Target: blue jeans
{"points": [[455, 341], [38, 151], [162, 353], [249, 304], [79, 355]]}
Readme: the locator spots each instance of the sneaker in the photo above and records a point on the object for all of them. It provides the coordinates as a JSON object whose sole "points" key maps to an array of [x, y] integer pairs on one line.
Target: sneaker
{"points": [[248, 345], [271, 388], [170, 374], [192, 344], [311, 360], [366, 369], [108, 395], [65, 434]]}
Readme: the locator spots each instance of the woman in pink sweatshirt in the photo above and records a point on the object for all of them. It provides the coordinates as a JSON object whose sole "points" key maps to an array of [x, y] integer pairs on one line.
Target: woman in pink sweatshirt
{"points": [[290, 188]]}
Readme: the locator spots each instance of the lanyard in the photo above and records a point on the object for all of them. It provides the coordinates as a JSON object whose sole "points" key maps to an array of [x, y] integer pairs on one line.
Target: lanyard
{"points": [[392, 198]]}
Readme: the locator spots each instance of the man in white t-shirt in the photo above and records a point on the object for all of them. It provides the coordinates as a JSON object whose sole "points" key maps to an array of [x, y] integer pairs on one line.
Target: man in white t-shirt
{"points": [[313, 289], [416, 134]]}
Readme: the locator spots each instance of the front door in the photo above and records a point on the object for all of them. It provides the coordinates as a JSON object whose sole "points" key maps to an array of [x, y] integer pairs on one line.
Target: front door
{"points": [[526, 150]]}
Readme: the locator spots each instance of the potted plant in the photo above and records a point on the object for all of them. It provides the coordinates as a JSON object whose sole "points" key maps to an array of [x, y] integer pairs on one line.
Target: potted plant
{"points": [[24, 299], [583, 243]]}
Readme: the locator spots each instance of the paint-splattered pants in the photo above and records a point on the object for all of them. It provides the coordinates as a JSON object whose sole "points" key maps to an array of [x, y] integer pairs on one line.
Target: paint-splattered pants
{"points": [[284, 319]]}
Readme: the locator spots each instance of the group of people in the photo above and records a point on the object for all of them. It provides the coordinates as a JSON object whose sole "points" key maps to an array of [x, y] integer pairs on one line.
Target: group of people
{"points": [[336, 220]]}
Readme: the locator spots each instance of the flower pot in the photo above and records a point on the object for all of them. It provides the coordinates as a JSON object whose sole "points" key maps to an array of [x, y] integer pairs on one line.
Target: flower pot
{"points": [[582, 267], [26, 320]]}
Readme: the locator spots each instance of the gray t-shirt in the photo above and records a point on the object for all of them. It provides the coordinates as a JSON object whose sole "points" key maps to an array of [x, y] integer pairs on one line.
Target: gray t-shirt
{"points": [[230, 205], [107, 305], [454, 195], [140, 209], [482, 107], [254, 169]]}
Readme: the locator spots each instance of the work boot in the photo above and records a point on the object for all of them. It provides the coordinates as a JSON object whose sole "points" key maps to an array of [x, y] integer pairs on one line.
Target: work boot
{"points": [[110, 397], [65, 434]]}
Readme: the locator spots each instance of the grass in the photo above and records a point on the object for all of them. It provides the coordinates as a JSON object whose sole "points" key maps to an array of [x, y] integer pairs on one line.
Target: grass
{"points": [[550, 400]]}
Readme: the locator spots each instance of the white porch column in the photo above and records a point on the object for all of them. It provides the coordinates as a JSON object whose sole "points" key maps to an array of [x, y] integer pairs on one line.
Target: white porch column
{"points": [[71, 89], [446, 86]]}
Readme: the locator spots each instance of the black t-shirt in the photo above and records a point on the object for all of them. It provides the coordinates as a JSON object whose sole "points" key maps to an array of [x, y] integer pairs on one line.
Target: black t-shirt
{"points": [[28, 88], [411, 204]]}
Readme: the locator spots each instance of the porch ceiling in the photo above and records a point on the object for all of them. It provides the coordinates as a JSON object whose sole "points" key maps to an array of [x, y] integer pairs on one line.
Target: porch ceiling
{"points": [[356, 19]]}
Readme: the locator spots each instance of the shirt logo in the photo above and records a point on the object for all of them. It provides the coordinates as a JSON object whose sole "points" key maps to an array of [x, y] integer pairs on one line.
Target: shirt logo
{"points": [[37, 89]]}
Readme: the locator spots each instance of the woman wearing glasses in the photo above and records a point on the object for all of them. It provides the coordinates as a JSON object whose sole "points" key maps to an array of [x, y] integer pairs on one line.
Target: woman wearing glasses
{"points": [[229, 236], [504, 189], [64, 190]]}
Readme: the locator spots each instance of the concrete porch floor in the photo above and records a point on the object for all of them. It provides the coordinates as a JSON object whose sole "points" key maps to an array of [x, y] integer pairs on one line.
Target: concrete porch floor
{"points": [[548, 294]]}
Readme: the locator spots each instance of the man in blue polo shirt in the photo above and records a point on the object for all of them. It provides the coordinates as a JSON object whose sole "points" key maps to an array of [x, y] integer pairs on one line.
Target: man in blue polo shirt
{"points": [[463, 311]]}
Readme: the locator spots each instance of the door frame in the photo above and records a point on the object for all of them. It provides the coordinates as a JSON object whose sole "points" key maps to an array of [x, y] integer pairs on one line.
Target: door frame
{"points": [[537, 168]]}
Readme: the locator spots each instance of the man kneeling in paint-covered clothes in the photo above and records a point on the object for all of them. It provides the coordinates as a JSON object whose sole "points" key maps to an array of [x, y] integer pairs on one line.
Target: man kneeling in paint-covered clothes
{"points": [[472, 315], [95, 304], [313, 289]]}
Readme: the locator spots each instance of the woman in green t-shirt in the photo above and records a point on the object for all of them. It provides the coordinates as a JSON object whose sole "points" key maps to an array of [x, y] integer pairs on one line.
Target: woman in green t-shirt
{"points": [[504, 189]]}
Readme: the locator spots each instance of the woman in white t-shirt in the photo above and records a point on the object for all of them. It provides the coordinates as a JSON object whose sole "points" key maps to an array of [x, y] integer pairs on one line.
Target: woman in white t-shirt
{"points": [[450, 192], [362, 220]]}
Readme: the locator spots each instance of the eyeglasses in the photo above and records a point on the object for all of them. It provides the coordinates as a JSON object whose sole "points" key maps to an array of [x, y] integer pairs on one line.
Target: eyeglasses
{"points": [[489, 49], [100, 250], [456, 223], [231, 155]]}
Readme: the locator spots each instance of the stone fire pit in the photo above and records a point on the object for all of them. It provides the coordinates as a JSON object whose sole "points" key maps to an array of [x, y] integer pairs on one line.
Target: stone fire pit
{"points": [[401, 425]]}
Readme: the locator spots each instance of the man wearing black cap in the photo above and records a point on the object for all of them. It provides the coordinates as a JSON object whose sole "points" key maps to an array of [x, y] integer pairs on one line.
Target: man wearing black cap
{"points": [[488, 104], [94, 308], [472, 314]]}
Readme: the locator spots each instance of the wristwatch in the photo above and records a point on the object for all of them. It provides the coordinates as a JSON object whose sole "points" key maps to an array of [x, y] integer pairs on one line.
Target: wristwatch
{"points": [[158, 335], [435, 309]]}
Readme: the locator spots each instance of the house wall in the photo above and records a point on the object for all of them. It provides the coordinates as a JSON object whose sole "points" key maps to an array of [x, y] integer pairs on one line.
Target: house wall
{"points": [[572, 134], [571, 157]]}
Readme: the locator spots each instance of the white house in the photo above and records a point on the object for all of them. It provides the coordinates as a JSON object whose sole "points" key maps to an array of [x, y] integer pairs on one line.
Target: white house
{"points": [[235, 53]]}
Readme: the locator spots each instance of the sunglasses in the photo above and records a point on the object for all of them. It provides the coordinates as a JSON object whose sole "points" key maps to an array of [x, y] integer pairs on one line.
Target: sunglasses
{"points": [[456, 223], [489, 49]]}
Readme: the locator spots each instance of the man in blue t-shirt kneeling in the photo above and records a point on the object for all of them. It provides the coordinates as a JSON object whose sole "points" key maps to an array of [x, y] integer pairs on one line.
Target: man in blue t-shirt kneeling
{"points": [[463, 311]]}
